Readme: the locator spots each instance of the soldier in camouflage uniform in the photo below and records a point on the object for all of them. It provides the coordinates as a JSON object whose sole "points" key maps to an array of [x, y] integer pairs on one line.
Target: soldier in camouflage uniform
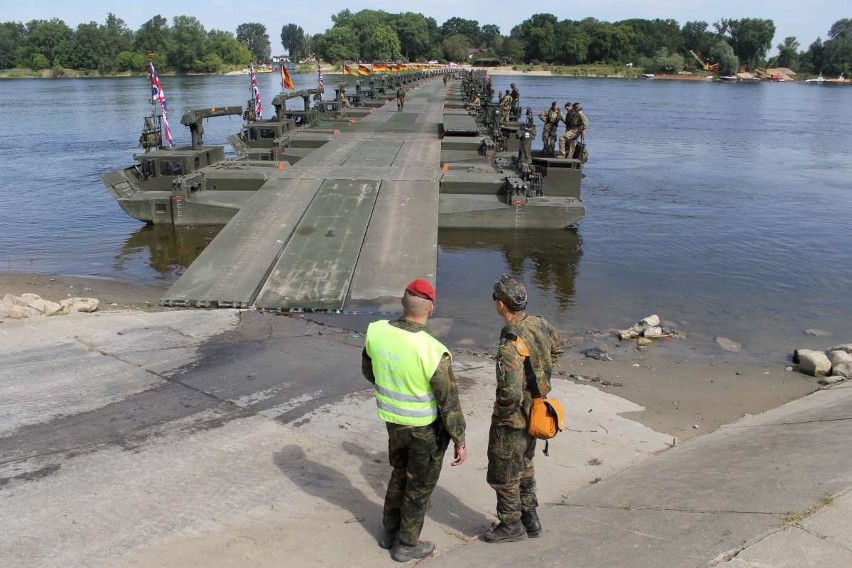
{"points": [[417, 397], [505, 107], [551, 118], [516, 102], [576, 123], [510, 447]]}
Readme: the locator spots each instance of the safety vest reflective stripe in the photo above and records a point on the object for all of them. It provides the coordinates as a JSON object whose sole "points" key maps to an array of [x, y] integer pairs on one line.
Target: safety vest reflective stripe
{"points": [[430, 412], [405, 397]]}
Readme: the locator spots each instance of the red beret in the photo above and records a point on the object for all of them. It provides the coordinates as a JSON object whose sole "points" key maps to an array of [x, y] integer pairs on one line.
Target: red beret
{"points": [[421, 289]]}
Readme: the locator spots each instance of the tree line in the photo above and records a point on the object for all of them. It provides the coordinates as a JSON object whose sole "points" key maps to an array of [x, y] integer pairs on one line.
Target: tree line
{"points": [[659, 45]]}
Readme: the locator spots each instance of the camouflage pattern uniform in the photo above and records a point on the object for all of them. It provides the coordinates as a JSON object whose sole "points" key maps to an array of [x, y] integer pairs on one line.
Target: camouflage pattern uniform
{"points": [[576, 123], [510, 447], [551, 118], [416, 453], [505, 107], [516, 102]]}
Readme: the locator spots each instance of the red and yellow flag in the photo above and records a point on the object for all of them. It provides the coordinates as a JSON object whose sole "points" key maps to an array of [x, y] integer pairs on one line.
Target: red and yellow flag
{"points": [[286, 81], [380, 68], [364, 70], [349, 71]]}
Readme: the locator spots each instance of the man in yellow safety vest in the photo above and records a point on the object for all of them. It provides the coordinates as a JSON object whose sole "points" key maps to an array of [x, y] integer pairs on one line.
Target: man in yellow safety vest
{"points": [[417, 397]]}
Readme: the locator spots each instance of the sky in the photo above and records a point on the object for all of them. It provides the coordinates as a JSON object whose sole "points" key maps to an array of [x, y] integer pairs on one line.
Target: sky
{"points": [[804, 20]]}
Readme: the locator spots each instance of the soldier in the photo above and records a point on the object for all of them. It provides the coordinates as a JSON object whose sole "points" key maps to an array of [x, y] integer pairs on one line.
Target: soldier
{"points": [[528, 344], [576, 123], [342, 102], [417, 397], [526, 134], [551, 118], [505, 107], [516, 101], [400, 98]]}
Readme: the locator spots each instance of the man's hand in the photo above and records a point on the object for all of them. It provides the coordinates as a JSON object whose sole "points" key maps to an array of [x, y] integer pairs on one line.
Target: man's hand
{"points": [[460, 453]]}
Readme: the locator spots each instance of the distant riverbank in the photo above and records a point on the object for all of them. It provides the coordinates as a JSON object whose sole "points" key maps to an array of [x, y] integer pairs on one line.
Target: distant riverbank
{"points": [[603, 71]]}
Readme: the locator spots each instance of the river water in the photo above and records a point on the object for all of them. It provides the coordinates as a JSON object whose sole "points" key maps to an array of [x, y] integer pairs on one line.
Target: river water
{"points": [[724, 208]]}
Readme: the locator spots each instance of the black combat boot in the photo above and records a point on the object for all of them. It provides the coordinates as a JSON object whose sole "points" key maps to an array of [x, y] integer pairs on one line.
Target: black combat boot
{"points": [[404, 553], [388, 539], [505, 532], [531, 523]]}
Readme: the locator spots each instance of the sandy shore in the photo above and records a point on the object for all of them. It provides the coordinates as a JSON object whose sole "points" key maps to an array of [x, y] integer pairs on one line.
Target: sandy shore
{"points": [[683, 394]]}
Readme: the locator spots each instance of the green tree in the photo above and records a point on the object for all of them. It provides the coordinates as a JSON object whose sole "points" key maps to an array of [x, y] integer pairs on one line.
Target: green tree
{"points": [[226, 46], [698, 38], [363, 24], [572, 43], [838, 48], [663, 62], [722, 52], [538, 35], [811, 61], [12, 35], [46, 38], [455, 48], [750, 38], [153, 36], [338, 44], [84, 51], [460, 26], [490, 35], [188, 43], [293, 39], [415, 33], [649, 36], [788, 53], [130, 61], [254, 37], [383, 45], [210, 63], [610, 43], [115, 37]]}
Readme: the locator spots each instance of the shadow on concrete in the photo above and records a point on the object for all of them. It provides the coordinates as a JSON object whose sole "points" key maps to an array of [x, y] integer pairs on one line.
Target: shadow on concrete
{"points": [[330, 485], [447, 509]]}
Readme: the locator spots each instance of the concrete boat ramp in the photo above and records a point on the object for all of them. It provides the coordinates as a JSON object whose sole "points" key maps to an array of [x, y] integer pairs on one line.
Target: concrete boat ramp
{"points": [[355, 219]]}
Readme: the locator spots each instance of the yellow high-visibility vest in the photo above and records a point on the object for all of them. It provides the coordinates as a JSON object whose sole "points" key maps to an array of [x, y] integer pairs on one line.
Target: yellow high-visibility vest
{"points": [[403, 363]]}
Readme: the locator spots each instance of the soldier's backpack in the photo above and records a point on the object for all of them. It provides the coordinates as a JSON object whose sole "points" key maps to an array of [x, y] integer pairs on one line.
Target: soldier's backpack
{"points": [[581, 153]]}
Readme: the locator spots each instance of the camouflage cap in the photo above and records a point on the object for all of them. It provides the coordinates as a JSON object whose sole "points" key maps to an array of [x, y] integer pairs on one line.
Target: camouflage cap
{"points": [[511, 292]]}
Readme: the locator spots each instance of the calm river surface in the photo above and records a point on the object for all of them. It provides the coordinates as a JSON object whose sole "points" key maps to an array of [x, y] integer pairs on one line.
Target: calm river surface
{"points": [[725, 209]]}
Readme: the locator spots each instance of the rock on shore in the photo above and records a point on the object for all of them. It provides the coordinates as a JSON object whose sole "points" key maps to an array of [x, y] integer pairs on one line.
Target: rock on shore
{"points": [[33, 305]]}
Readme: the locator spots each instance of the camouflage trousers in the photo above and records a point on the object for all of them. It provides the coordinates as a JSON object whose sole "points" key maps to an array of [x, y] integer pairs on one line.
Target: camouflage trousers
{"points": [[416, 455], [548, 136], [568, 142], [510, 471]]}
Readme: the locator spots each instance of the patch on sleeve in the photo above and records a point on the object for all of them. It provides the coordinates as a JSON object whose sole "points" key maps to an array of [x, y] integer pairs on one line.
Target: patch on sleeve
{"points": [[523, 351]]}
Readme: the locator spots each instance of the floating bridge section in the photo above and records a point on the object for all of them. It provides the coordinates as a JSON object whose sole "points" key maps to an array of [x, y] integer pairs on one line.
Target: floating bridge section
{"points": [[353, 221]]}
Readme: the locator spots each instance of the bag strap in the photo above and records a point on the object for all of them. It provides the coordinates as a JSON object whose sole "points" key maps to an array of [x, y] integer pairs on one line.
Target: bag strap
{"points": [[532, 384]]}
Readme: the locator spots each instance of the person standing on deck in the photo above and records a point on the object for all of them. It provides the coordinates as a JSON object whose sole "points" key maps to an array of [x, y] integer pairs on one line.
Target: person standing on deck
{"points": [[400, 98], [551, 118], [577, 123]]}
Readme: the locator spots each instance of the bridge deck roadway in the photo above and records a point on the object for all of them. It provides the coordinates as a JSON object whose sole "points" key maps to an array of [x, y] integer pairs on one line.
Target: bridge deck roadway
{"points": [[355, 219]]}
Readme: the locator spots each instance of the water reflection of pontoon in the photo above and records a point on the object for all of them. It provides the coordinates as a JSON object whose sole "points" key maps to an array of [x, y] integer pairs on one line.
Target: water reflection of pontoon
{"points": [[170, 249], [551, 257]]}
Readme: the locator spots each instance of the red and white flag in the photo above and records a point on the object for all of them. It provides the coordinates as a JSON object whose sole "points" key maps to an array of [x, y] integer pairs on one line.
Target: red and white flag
{"points": [[255, 93], [158, 95]]}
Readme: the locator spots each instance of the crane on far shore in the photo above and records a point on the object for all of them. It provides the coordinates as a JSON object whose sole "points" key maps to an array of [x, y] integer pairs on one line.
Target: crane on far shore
{"points": [[714, 67]]}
